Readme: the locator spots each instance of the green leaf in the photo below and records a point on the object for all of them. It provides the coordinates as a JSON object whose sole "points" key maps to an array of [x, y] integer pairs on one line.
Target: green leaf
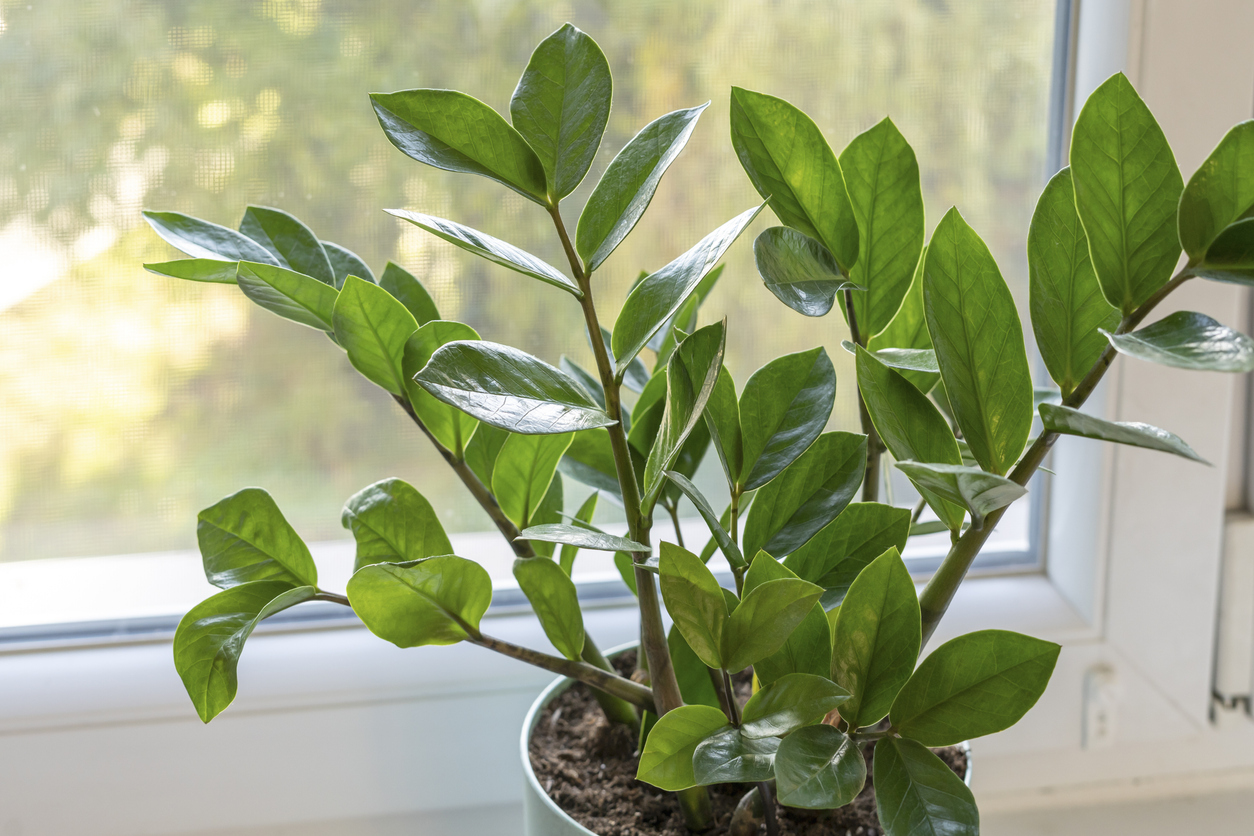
{"points": [[628, 184], [407, 290], [693, 676], [523, 471], [978, 491], [291, 243], [882, 177], [764, 620], [835, 556], [730, 757], [790, 703], [1063, 419], [561, 105], [877, 640], [493, 249], [901, 359], [550, 512], [583, 515], [373, 327], [908, 330], [809, 494], [725, 543], [663, 342], [1127, 188], [917, 794], [656, 299], [666, 761], [792, 166], [1065, 299], [691, 454], [583, 538], [210, 638], [590, 460], [245, 537], [1188, 340], [976, 684], [345, 263], [1231, 257], [456, 132], [204, 240], [290, 295], [482, 449], [451, 427], [626, 568], [587, 381], [196, 270], [808, 650], [798, 270], [393, 523], [555, 602], [979, 344], [784, 408], [510, 389], [722, 417], [695, 602], [431, 601], [818, 768], [1220, 192]]}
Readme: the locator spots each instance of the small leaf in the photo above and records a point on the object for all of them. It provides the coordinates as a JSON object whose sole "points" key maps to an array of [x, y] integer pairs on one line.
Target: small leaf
{"points": [[695, 602], [289, 241], [1220, 192], [555, 602], [980, 492], [722, 417], [245, 537], [628, 185], [373, 327], [508, 388], [407, 290], [808, 650], [818, 768], [393, 523], [798, 270], [666, 761], [204, 240], [691, 673], [431, 601], [584, 515], [590, 461], [197, 270], [790, 703], [835, 556], [450, 426], [550, 512], [345, 263], [583, 538], [1188, 340], [764, 620], [290, 295], [626, 569], [917, 793], [730, 757], [1063, 419], [784, 408], [725, 543], [523, 471], [482, 449]]}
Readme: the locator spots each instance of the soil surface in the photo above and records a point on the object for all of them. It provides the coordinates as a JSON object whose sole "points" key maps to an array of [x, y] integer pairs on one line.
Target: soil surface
{"points": [[588, 767]]}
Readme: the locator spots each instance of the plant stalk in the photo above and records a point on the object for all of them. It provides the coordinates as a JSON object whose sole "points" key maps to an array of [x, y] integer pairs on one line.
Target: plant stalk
{"points": [[874, 446]]}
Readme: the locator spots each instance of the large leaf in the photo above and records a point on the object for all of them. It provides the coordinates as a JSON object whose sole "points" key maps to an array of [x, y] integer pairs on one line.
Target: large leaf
{"points": [[431, 601], [373, 327], [730, 757], [974, 685], [764, 620], [1219, 193], [808, 650], [656, 299], [818, 768], [203, 240], [1065, 299], [809, 494], [789, 703], [456, 132], [450, 426], [1063, 419], [722, 416], [799, 270], [694, 600], [523, 471], [791, 164], [882, 176], [405, 287], [979, 344], [510, 389], [628, 184], [555, 602], [561, 105], [493, 249], [590, 460], [393, 523], [196, 270], [210, 638], [291, 243], [1127, 188], [290, 295], [584, 538], [784, 408], [877, 639], [835, 556], [245, 537], [345, 263], [726, 544], [979, 491], [666, 761], [917, 794], [1189, 340]]}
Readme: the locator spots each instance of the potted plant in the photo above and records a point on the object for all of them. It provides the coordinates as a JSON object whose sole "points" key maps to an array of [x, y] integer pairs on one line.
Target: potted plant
{"points": [[819, 605]]}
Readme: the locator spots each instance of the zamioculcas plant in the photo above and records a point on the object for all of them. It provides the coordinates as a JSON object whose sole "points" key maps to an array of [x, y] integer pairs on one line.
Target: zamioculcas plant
{"points": [[818, 603]]}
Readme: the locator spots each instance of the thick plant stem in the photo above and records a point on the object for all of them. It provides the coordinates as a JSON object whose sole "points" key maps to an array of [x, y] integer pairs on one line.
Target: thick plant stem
{"points": [[939, 592], [874, 446], [616, 710]]}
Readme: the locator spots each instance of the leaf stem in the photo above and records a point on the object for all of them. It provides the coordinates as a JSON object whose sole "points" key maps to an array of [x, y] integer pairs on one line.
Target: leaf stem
{"points": [[673, 510], [874, 447]]}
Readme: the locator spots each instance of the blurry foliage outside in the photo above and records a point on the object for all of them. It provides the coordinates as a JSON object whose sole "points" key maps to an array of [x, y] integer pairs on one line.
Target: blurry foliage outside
{"points": [[129, 402]]}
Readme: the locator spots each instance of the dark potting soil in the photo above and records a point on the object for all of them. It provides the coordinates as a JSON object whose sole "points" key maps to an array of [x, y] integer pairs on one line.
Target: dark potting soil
{"points": [[588, 766]]}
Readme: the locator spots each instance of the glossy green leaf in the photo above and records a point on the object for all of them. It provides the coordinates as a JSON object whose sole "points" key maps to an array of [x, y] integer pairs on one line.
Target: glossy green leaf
{"points": [[764, 620], [590, 461], [784, 408], [1188, 340], [1127, 189], [799, 270], [210, 638], [291, 243], [493, 249], [1231, 256], [510, 389], [646, 414], [882, 177], [345, 263], [979, 491], [979, 344], [809, 494], [901, 359], [628, 185], [877, 639], [808, 650], [725, 543], [789, 703], [290, 295], [908, 330], [555, 602], [1065, 299], [694, 600], [393, 523], [584, 538], [587, 381], [976, 684], [663, 342], [196, 270], [693, 676], [245, 537], [456, 132], [583, 515], [373, 327], [523, 471], [730, 757], [835, 556], [724, 520], [791, 165], [482, 449], [1220, 192], [818, 768], [431, 601], [1063, 419], [203, 240], [722, 417], [917, 794], [661, 294], [407, 290], [451, 427], [561, 105], [666, 761], [691, 454]]}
